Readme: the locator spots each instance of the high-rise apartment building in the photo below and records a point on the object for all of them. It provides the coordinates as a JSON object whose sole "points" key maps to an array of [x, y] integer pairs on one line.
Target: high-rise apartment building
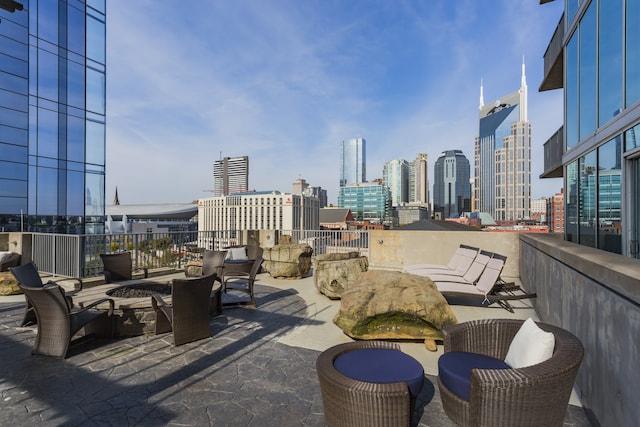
{"points": [[451, 188], [369, 201], [353, 159], [503, 157], [52, 116], [555, 213], [230, 175], [419, 180], [594, 56], [301, 187], [395, 175]]}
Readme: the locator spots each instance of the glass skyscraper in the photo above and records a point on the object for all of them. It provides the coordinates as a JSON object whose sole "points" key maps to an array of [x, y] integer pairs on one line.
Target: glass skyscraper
{"points": [[451, 187], [370, 201], [594, 56], [353, 159], [395, 175], [52, 115], [230, 175], [503, 157]]}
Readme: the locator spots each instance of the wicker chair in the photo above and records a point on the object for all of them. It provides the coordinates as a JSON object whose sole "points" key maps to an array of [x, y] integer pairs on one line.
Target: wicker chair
{"points": [[243, 282], [188, 314], [242, 267], [58, 322], [537, 395], [352, 403], [118, 267], [213, 262], [28, 275]]}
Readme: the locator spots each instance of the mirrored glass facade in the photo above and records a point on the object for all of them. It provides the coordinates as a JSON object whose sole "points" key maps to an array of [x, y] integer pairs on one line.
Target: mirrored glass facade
{"points": [[353, 160], [602, 117], [52, 116]]}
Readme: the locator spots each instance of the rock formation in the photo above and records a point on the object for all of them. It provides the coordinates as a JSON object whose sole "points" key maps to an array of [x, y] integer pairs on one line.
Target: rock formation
{"points": [[394, 305], [334, 273], [288, 261]]}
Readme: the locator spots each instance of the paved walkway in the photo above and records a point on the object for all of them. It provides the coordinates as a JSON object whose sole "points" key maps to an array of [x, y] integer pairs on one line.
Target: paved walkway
{"points": [[258, 369]]}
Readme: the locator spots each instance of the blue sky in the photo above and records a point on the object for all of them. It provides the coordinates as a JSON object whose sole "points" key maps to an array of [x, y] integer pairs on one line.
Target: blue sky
{"points": [[284, 82]]}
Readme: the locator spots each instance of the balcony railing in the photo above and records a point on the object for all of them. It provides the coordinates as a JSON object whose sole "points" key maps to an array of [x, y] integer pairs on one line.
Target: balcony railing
{"points": [[79, 255]]}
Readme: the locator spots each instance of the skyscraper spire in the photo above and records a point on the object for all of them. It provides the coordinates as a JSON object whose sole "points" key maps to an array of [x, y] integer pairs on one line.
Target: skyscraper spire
{"points": [[481, 96], [523, 94]]}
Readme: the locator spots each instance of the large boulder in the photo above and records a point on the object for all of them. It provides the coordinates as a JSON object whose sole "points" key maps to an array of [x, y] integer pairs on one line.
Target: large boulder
{"points": [[8, 284], [334, 273], [394, 305], [288, 261]]}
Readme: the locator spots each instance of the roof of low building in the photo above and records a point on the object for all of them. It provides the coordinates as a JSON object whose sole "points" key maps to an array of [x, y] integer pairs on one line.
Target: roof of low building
{"points": [[163, 211], [436, 225], [333, 215]]}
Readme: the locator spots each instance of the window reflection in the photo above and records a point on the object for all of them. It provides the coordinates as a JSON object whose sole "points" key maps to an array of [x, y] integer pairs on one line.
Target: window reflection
{"points": [[571, 93], [75, 30], [610, 196], [632, 138], [587, 90], [75, 139], [587, 199], [47, 133], [75, 193], [12, 170], [47, 191], [96, 40], [95, 143], [95, 91], [48, 21], [632, 52], [47, 75], [610, 72]]}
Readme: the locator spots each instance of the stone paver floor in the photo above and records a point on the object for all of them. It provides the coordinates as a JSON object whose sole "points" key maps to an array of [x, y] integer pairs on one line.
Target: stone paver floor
{"points": [[242, 376]]}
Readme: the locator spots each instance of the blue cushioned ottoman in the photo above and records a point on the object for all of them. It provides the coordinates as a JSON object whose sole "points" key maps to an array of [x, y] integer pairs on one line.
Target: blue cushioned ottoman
{"points": [[381, 366], [454, 370]]}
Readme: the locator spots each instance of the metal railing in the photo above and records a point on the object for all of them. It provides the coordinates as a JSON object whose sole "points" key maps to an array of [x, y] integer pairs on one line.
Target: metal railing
{"points": [[79, 255]]}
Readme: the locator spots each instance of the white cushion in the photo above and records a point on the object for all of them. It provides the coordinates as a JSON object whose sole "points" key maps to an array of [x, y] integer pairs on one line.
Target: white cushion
{"points": [[530, 346], [237, 254], [5, 256]]}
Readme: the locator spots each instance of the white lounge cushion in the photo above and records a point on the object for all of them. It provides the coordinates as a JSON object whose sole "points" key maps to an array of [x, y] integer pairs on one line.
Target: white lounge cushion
{"points": [[530, 346], [4, 255]]}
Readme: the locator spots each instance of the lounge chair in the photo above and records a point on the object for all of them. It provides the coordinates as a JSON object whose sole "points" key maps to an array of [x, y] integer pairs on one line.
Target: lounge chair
{"points": [[188, 314], [470, 276], [489, 288], [8, 260], [58, 322], [459, 262], [28, 275]]}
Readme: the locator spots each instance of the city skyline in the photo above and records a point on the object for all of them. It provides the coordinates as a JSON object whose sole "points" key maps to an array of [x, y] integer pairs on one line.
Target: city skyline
{"points": [[285, 82]]}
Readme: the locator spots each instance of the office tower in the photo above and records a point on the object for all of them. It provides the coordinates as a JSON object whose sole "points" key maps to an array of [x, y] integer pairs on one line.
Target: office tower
{"points": [[230, 175], [353, 159], [395, 175], [52, 116], [419, 179], [451, 188], [594, 59], [369, 201], [503, 157]]}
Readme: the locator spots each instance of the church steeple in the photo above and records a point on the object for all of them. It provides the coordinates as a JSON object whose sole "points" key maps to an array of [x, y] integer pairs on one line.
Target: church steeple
{"points": [[523, 94], [116, 200]]}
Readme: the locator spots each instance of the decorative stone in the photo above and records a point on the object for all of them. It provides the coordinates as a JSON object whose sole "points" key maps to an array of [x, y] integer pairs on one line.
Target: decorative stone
{"points": [[394, 305], [288, 261], [334, 273], [8, 284]]}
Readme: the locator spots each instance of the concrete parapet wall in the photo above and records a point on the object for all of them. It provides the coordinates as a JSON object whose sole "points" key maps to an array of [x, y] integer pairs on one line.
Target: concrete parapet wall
{"points": [[392, 249], [596, 296]]}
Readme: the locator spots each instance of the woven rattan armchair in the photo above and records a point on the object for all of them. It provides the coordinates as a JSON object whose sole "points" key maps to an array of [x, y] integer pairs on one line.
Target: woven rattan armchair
{"points": [[28, 275], [352, 403], [118, 267], [537, 395], [188, 314], [58, 322]]}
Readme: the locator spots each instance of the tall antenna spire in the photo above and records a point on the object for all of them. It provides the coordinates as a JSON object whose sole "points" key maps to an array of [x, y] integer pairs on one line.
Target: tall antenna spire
{"points": [[523, 94], [481, 95]]}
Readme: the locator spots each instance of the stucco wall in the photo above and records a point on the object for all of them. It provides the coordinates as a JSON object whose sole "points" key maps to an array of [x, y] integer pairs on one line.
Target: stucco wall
{"points": [[596, 296], [392, 249]]}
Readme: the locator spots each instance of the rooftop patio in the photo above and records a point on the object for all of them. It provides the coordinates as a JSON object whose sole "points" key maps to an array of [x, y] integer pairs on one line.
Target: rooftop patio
{"points": [[258, 368]]}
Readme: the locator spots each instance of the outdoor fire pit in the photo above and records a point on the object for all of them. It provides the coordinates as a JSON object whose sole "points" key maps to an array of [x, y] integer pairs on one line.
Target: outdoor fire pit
{"points": [[139, 291]]}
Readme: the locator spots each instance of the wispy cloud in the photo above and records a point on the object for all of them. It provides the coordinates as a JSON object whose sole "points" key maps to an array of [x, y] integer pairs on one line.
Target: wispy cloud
{"points": [[285, 81]]}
